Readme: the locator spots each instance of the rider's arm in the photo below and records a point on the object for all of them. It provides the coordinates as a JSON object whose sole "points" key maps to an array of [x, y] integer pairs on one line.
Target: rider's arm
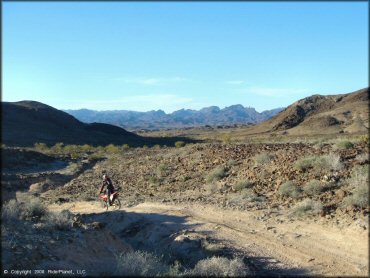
{"points": [[102, 187]]}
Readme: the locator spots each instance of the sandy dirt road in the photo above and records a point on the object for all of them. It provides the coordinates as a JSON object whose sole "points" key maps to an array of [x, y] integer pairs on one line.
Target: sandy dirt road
{"points": [[274, 244]]}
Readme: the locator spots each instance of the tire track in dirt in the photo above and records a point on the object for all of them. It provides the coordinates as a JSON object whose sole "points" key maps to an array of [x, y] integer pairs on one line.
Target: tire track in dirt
{"points": [[288, 248]]}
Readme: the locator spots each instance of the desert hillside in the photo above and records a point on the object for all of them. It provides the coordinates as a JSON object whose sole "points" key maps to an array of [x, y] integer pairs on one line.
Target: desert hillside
{"points": [[318, 114]]}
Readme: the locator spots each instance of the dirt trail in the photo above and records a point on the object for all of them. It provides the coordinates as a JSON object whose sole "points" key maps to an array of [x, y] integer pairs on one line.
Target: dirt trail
{"points": [[272, 243]]}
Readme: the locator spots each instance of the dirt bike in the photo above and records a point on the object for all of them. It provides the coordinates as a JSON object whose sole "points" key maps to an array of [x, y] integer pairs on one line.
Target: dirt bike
{"points": [[115, 204]]}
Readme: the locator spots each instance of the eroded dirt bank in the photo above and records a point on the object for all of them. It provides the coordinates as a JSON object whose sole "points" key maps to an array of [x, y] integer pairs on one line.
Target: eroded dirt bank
{"points": [[270, 242]]}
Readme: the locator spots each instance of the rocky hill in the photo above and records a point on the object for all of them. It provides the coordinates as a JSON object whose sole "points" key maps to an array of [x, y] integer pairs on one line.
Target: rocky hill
{"points": [[27, 122], [213, 115], [319, 114]]}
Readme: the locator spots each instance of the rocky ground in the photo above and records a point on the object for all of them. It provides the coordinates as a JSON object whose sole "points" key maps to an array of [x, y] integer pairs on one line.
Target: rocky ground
{"points": [[200, 199], [179, 175]]}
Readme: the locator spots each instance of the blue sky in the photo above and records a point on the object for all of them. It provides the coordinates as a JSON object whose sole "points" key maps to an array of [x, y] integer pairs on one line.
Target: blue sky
{"points": [[143, 56]]}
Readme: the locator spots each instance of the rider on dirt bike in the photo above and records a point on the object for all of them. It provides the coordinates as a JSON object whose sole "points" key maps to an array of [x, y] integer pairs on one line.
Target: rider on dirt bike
{"points": [[110, 189]]}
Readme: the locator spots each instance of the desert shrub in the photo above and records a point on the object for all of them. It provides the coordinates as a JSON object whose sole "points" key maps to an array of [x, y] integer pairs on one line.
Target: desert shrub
{"points": [[359, 176], [344, 144], [95, 156], [364, 139], [57, 148], [156, 146], [59, 220], [87, 148], [359, 197], [219, 266], [226, 138], [32, 207], [179, 144], [145, 146], [289, 189], [231, 163], [306, 207], [40, 147], [332, 162], [10, 210], [245, 196], [140, 263], [112, 149], [359, 180], [263, 158], [305, 163], [154, 180], [326, 162], [242, 184], [211, 187], [362, 158], [125, 146], [216, 174], [313, 187], [162, 167]]}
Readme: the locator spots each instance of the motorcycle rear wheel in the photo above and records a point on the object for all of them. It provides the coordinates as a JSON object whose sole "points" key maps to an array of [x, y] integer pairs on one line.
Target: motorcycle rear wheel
{"points": [[116, 205]]}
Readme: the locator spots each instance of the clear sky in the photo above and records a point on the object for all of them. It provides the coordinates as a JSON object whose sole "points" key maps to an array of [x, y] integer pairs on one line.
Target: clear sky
{"points": [[143, 56]]}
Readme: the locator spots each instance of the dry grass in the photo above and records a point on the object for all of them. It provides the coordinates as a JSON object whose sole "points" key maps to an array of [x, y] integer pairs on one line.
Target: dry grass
{"points": [[220, 267], [140, 263], [59, 220]]}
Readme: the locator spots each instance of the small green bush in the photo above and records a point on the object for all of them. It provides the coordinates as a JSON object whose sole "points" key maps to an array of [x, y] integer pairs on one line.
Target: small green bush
{"points": [[359, 176], [289, 189], [87, 148], [112, 149], [125, 146], [325, 162], [306, 207], [216, 174], [359, 180], [57, 148], [140, 263], [245, 196], [345, 144], [263, 158], [242, 184], [179, 144], [154, 180], [220, 267], [313, 187], [40, 147], [359, 197]]}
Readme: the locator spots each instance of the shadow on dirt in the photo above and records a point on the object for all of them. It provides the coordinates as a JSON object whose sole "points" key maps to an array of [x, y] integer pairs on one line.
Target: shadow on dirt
{"points": [[173, 239]]}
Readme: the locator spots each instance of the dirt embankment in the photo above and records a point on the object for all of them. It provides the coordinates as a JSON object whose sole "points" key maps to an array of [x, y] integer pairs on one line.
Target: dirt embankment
{"points": [[270, 242]]}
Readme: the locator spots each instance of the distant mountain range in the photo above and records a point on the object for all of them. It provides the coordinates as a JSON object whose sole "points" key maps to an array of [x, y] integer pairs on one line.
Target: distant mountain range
{"points": [[25, 123], [152, 120]]}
